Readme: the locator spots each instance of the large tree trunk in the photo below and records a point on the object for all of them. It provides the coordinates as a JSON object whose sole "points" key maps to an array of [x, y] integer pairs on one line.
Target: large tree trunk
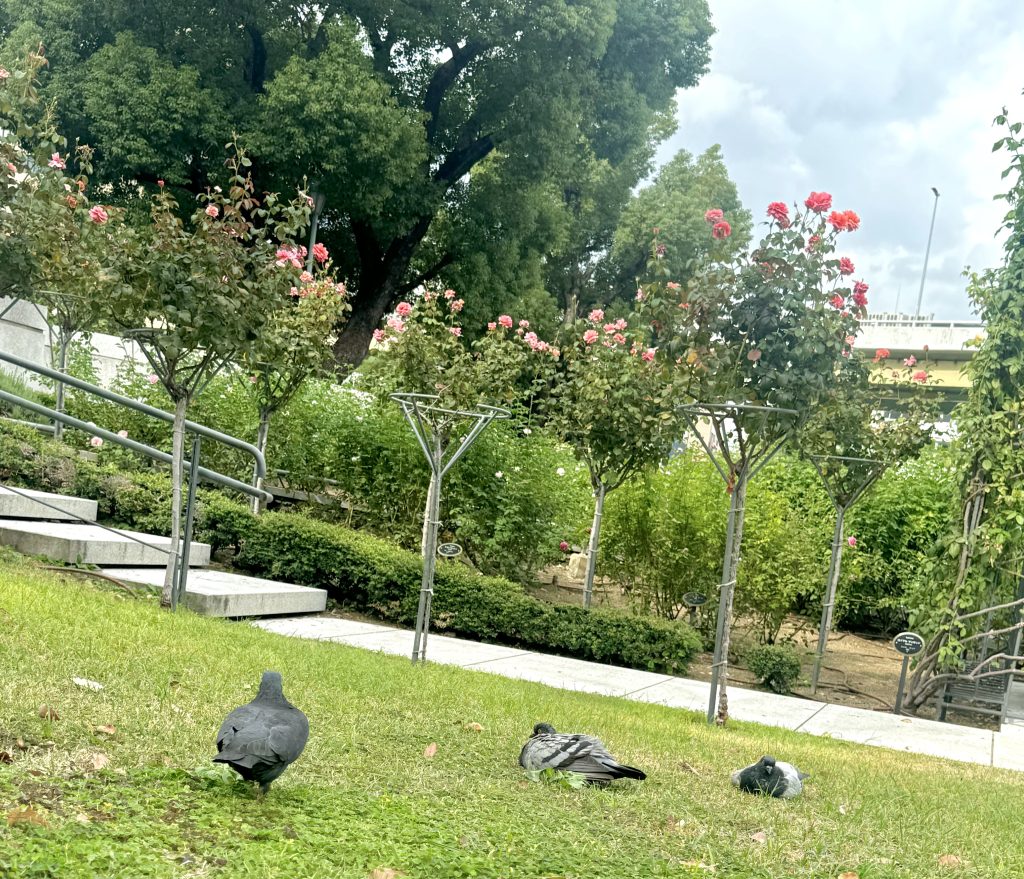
{"points": [[177, 466]]}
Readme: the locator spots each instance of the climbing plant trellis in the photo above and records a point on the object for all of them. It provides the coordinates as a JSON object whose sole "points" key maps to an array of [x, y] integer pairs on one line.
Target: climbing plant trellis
{"points": [[746, 437], [432, 425], [845, 479]]}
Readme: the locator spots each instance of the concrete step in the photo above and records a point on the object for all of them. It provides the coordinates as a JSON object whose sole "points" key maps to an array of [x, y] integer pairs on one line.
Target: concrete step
{"points": [[223, 594], [24, 503], [92, 545]]}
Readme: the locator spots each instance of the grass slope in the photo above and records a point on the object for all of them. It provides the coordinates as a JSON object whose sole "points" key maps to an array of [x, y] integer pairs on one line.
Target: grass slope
{"points": [[363, 797]]}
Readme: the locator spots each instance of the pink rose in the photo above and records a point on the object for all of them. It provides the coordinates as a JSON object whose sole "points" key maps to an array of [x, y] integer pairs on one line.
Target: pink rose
{"points": [[859, 299], [160, 183], [212, 211], [505, 321], [672, 285], [596, 316], [850, 340], [294, 292], [837, 301], [640, 294], [910, 361], [845, 266], [621, 339], [72, 201], [96, 442], [714, 215], [123, 434], [457, 305], [98, 215], [492, 325], [819, 202], [455, 331], [648, 355], [524, 325], [721, 230], [851, 540], [919, 376], [852, 221], [396, 324], [4, 73], [449, 294], [305, 277], [403, 309], [320, 253], [778, 211], [378, 335], [621, 324], [753, 355], [609, 328], [530, 338], [563, 546], [152, 378], [590, 336], [56, 162]]}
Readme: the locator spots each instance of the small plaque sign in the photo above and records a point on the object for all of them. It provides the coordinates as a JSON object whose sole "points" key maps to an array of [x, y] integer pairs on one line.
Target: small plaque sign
{"points": [[908, 643], [695, 599], [449, 550]]}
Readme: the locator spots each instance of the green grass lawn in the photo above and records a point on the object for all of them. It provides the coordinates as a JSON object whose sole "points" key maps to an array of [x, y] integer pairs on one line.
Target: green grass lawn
{"points": [[363, 797]]}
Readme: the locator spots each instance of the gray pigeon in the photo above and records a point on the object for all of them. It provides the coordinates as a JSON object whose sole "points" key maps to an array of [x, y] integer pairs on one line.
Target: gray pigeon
{"points": [[567, 752], [772, 777], [260, 740]]}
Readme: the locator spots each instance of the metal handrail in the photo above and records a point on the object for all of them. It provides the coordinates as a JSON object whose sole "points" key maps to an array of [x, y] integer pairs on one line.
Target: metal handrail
{"points": [[145, 408], [141, 448]]}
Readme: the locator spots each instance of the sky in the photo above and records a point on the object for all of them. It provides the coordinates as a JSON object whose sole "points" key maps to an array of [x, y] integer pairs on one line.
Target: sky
{"points": [[876, 102]]}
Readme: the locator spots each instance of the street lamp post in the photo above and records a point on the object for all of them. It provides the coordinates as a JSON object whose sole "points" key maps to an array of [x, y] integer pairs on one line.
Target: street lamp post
{"points": [[927, 250]]}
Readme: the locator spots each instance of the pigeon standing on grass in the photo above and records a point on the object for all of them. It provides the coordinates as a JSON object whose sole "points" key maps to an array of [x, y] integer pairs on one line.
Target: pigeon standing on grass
{"points": [[568, 752], [260, 740], [772, 777]]}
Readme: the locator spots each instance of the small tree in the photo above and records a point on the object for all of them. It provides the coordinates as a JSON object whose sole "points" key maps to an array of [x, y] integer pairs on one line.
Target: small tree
{"points": [[195, 294], [294, 343], [764, 334]]}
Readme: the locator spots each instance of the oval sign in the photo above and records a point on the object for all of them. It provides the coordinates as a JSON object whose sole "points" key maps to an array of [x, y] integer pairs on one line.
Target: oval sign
{"points": [[908, 643], [695, 599], [449, 550]]}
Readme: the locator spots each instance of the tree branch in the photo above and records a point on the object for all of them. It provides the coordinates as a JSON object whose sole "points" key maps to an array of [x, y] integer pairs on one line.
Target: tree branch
{"points": [[442, 80], [461, 160], [428, 275]]}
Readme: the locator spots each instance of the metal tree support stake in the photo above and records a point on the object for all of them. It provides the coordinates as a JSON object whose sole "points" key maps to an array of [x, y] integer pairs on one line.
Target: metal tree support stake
{"points": [[743, 460], [828, 606], [431, 424]]}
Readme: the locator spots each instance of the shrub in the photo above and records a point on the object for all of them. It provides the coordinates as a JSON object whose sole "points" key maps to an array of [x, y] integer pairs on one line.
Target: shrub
{"points": [[777, 666], [371, 575]]}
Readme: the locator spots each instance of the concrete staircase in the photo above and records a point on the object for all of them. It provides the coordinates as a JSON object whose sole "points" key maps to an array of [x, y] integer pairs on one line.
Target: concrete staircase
{"points": [[38, 523]]}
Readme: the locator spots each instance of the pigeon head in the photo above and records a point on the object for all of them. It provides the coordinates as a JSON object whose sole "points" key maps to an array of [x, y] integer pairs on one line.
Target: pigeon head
{"points": [[542, 729], [755, 778], [270, 686]]}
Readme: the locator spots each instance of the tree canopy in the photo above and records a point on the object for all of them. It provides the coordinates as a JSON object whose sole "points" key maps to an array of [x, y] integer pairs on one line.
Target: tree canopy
{"points": [[390, 107]]}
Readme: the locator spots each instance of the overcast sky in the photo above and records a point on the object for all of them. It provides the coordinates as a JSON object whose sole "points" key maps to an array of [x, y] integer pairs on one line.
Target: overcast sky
{"points": [[875, 101]]}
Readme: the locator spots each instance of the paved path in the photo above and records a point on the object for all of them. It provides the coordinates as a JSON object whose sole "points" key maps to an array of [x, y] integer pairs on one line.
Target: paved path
{"points": [[1001, 749]]}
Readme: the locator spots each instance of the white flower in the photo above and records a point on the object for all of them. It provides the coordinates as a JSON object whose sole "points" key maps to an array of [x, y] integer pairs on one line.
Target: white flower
{"points": [[499, 475], [527, 431], [355, 457], [560, 471]]}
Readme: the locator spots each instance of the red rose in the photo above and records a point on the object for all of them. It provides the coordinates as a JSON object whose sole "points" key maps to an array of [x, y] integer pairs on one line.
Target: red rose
{"points": [[714, 215], [860, 300], [880, 354], [852, 221], [845, 266], [837, 301], [778, 211], [838, 220], [860, 287], [919, 376], [721, 230], [819, 202]]}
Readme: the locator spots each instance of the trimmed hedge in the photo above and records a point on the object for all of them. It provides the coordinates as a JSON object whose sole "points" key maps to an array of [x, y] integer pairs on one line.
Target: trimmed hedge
{"points": [[369, 574]]}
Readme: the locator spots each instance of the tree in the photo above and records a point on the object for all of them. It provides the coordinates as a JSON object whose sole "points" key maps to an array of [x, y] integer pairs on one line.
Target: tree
{"points": [[292, 345], [674, 204], [439, 87], [195, 295]]}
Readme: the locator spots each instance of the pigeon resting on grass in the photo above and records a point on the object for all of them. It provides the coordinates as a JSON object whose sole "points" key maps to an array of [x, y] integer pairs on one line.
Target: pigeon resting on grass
{"points": [[260, 740], [772, 777], [566, 752]]}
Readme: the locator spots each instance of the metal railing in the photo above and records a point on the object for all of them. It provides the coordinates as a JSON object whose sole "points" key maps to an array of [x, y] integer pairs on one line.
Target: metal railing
{"points": [[179, 573]]}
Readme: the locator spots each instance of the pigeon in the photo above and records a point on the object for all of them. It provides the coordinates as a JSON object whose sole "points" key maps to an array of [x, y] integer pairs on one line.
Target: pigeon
{"points": [[568, 752], [260, 740], [772, 777]]}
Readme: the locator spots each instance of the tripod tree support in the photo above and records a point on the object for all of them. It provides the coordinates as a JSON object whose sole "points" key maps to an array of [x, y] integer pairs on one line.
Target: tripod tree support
{"points": [[745, 437], [866, 472], [432, 424]]}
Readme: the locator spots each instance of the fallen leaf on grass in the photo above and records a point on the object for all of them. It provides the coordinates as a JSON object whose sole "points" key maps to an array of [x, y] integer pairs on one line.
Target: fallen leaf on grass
{"points": [[48, 713], [951, 861], [430, 750], [385, 873], [849, 874], [475, 727], [98, 761], [85, 682], [842, 808], [686, 767], [82, 818], [107, 729], [26, 815], [6, 757], [760, 836]]}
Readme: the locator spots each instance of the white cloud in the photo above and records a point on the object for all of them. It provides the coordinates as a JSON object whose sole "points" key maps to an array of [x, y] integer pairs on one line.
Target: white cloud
{"points": [[875, 103]]}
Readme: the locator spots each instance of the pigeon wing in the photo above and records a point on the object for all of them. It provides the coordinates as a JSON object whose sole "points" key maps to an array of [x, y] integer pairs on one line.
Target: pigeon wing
{"points": [[264, 735]]}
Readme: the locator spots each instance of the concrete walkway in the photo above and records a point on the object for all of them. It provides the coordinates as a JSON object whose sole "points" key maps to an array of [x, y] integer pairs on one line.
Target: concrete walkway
{"points": [[1001, 749]]}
